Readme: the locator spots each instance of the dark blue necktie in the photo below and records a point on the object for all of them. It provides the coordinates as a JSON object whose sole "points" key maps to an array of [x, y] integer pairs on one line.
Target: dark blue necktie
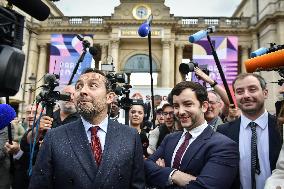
{"points": [[255, 168]]}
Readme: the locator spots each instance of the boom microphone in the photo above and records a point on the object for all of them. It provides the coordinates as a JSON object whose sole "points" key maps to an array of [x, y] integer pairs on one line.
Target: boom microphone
{"points": [[7, 114], [145, 28], [263, 50], [201, 34], [35, 8], [270, 61], [259, 52]]}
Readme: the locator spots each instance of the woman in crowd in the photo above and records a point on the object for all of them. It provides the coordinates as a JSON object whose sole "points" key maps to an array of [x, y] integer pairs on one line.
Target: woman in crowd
{"points": [[136, 115]]}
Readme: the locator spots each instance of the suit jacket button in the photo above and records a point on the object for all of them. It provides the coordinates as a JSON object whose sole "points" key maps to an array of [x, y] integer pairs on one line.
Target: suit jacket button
{"points": [[71, 180]]}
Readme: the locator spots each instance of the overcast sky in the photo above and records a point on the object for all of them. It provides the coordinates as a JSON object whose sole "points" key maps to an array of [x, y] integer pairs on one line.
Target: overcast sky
{"points": [[177, 7]]}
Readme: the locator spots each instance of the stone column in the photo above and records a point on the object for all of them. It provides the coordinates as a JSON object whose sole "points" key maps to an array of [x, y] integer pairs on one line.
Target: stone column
{"points": [[245, 56], [104, 52], [172, 64], [41, 65], [179, 55], [165, 68], [280, 32], [114, 54], [254, 42], [32, 62]]}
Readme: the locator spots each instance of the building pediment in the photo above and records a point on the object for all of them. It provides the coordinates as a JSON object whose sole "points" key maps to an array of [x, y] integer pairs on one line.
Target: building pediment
{"points": [[140, 10]]}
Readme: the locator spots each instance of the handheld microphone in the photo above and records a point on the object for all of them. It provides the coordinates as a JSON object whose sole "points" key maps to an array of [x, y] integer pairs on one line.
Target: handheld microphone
{"points": [[201, 34], [270, 61], [259, 52], [7, 114], [145, 28], [35, 8]]}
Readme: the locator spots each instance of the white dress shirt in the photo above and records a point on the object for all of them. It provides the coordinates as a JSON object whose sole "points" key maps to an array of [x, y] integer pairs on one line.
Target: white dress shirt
{"points": [[262, 149], [101, 132], [194, 134]]}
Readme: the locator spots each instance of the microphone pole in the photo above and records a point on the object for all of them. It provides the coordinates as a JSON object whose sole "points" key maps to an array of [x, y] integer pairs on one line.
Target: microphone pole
{"points": [[217, 61], [86, 44], [151, 75], [145, 29], [10, 138]]}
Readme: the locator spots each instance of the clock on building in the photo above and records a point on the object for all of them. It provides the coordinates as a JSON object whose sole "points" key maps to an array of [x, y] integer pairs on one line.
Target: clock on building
{"points": [[141, 12]]}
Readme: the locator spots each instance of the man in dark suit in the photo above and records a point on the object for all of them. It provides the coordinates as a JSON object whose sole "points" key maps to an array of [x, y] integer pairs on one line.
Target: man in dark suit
{"points": [[196, 157], [92, 152], [255, 131]]}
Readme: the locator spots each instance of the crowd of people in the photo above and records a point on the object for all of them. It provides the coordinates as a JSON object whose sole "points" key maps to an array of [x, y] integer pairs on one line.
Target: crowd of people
{"points": [[197, 139]]}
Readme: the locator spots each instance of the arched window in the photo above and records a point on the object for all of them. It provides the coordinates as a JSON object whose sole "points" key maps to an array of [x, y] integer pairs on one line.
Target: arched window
{"points": [[139, 63], [139, 67]]}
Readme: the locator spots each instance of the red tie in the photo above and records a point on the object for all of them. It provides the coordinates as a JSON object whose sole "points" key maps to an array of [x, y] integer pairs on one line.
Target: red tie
{"points": [[96, 144], [181, 151]]}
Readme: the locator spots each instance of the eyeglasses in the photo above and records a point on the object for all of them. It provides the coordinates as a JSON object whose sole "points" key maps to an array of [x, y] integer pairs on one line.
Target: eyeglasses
{"points": [[171, 114], [213, 102], [159, 113]]}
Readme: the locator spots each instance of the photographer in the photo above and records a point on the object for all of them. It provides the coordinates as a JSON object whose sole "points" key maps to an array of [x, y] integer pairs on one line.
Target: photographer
{"points": [[216, 97], [67, 112]]}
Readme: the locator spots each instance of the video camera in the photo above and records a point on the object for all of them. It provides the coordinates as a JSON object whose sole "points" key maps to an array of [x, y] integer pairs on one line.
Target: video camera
{"points": [[121, 87], [185, 68], [48, 96], [12, 57], [116, 79]]}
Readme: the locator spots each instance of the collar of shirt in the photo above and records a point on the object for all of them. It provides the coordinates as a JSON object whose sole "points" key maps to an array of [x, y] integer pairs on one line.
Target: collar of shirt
{"points": [[195, 132], [213, 122], [261, 121], [102, 125]]}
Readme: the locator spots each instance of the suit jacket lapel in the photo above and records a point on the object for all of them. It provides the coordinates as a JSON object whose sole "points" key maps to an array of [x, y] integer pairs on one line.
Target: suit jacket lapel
{"points": [[195, 146], [110, 153], [81, 147], [171, 145], [234, 130], [274, 141]]}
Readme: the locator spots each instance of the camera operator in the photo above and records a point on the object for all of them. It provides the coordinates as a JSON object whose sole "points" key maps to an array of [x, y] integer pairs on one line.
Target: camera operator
{"points": [[67, 112]]}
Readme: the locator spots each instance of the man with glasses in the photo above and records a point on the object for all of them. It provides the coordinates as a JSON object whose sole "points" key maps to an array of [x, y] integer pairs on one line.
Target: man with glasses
{"points": [[213, 111], [219, 104], [158, 134]]}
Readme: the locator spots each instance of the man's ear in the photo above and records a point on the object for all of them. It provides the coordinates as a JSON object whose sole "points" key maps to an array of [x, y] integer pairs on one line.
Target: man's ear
{"points": [[265, 93], [110, 97], [204, 106]]}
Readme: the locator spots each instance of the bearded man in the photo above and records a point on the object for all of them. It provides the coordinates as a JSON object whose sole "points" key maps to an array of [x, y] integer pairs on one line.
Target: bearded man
{"points": [[255, 131], [94, 151]]}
